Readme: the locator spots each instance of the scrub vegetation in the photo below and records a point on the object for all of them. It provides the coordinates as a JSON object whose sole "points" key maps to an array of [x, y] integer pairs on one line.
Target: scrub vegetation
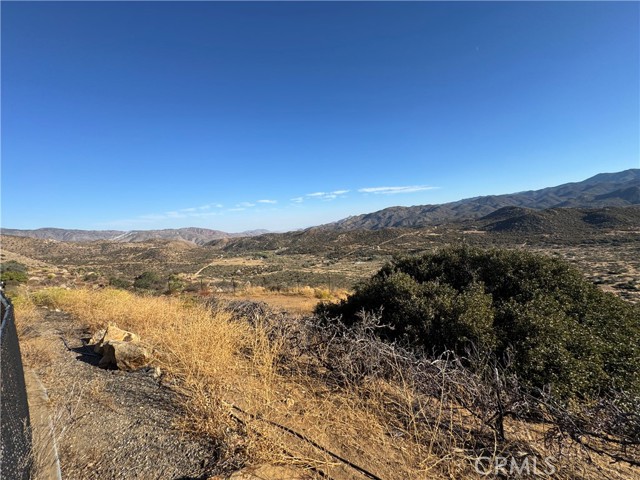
{"points": [[337, 397], [540, 315]]}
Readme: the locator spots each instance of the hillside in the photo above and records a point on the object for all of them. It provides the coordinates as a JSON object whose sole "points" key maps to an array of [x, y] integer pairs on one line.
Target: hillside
{"points": [[568, 225], [198, 236], [602, 242], [603, 190], [131, 257], [565, 221]]}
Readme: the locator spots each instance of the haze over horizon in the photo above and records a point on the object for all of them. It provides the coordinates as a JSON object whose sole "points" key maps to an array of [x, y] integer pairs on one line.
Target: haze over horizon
{"points": [[240, 116]]}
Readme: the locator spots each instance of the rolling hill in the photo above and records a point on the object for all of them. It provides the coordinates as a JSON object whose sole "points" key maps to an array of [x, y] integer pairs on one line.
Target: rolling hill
{"points": [[564, 221]]}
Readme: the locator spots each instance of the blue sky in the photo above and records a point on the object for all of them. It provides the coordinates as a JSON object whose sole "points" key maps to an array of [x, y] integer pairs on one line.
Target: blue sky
{"points": [[236, 116]]}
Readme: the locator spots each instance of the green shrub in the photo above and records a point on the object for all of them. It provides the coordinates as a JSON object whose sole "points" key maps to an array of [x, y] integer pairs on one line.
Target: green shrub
{"points": [[17, 277], [175, 284], [13, 272], [148, 281], [557, 329]]}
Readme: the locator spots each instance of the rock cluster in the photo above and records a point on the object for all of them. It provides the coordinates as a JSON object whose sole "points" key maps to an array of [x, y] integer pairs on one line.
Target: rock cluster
{"points": [[120, 349]]}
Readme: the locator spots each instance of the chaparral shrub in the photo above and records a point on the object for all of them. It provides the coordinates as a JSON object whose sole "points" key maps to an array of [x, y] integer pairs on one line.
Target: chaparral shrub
{"points": [[556, 329], [148, 281]]}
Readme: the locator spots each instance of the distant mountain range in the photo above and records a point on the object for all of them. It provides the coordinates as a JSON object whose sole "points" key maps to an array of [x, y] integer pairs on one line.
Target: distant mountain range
{"points": [[531, 211], [198, 236], [603, 190]]}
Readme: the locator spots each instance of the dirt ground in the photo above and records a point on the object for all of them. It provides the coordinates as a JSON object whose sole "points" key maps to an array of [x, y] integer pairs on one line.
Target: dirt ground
{"points": [[109, 423]]}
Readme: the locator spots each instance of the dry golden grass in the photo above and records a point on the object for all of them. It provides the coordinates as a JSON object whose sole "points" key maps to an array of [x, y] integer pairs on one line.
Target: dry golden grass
{"points": [[36, 351], [237, 391], [23, 303], [191, 342], [300, 301]]}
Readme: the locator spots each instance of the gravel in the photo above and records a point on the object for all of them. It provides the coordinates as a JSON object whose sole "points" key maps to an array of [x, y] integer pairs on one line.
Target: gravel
{"points": [[111, 424]]}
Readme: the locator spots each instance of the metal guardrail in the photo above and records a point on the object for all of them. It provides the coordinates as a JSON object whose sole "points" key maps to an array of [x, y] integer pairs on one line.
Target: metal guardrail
{"points": [[15, 428]]}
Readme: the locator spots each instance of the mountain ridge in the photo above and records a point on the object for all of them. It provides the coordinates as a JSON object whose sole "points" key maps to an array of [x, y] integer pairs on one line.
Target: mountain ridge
{"points": [[617, 189], [195, 235], [566, 225]]}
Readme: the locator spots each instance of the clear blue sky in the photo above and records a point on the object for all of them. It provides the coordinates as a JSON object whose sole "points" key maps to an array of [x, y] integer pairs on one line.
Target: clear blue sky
{"points": [[232, 115]]}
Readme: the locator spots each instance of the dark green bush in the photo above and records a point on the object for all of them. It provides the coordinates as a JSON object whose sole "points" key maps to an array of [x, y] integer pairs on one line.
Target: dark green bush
{"points": [[148, 281], [537, 313]]}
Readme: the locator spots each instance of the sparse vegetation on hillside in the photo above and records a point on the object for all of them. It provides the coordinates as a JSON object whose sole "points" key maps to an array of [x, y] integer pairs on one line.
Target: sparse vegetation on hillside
{"points": [[558, 330], [327, 259], [567, 222]]}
